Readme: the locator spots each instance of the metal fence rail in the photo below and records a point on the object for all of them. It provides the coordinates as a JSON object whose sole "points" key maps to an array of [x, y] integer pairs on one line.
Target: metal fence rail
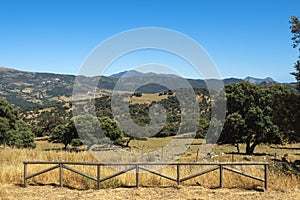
{"points": [[221, 166]]}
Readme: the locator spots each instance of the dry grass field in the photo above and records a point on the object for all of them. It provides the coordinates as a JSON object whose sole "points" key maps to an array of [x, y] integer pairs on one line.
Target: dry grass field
{"points": [[281, 185], [147, 98], [11, 192]]}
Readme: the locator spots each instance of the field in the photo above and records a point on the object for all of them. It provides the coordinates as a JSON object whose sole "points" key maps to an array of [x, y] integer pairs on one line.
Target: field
{"points": [[184, 192], [281, 185], [147, 98]]}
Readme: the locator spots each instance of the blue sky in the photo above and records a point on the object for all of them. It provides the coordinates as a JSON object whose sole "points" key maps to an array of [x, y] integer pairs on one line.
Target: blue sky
{"points": [[243, 37]]}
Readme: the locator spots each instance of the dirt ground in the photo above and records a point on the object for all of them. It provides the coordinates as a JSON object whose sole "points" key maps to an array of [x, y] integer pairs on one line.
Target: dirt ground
{"points": [[9, 191]]}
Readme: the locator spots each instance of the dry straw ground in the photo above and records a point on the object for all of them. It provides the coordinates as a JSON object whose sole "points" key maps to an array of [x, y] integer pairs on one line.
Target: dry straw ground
{"points": [[281, 185]]}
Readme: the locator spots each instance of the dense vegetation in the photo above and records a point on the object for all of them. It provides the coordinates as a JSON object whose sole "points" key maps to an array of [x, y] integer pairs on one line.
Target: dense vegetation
{"points": [[13, 131], [255, 114], [295, 29], [259, 114]]}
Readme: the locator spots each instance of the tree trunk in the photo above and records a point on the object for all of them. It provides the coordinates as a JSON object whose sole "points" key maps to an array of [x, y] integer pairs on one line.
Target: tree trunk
{"points": [[250, 148], [238, 148], [127, 143]]}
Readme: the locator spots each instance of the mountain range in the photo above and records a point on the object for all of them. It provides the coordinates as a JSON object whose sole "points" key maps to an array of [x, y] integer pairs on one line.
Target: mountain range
{"points": [[134, 73], [31, 89], [259, 80]]}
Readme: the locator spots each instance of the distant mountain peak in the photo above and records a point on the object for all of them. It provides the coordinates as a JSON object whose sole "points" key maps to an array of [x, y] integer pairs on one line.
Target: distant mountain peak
{"points": [[132, 73], [259, 80]]}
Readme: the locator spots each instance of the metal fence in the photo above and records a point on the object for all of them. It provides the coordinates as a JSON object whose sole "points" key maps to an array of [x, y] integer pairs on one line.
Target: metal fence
{"points": [[220, 166]]}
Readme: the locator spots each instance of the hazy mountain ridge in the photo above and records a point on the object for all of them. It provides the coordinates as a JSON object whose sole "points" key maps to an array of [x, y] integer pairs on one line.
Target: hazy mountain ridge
{"points": [[132, 73], [259, 80], [30, 89]]}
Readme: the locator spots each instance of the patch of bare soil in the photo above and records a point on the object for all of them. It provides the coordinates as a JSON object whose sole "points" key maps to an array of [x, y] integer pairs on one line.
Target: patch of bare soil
{"points": [[9, 191]]}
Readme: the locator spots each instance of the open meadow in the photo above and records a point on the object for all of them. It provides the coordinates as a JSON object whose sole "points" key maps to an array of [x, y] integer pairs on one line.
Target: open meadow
{"points": [[282, 184]]}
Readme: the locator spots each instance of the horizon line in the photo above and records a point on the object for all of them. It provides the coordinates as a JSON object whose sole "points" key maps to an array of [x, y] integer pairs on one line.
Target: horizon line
{"points": [[74, 74]]}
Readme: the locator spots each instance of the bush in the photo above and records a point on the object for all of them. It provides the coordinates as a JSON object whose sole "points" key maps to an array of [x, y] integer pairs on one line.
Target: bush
{"points": [[76, 142]]}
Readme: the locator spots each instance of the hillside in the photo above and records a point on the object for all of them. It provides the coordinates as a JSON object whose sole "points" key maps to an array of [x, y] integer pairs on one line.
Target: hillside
{"points": [[28, 89], [31, 89]]}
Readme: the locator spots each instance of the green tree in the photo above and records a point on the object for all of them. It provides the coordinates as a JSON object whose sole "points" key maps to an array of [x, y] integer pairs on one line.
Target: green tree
{"points": [[235, 126], [48, 120], [249, 116], [88, 129], [64, 133], [111, 129], [295, 30], [203, 126], [76, 142], [13, 131], [93, 130], [4, 128], [285, 112]]}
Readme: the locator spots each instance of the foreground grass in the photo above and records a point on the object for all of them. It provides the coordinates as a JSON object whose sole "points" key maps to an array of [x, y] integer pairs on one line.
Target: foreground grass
{"points": [[11, 192], [11, 167]]}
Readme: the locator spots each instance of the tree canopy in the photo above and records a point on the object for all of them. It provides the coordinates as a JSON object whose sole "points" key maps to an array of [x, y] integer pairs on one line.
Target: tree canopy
{"points": [[253, 115], [88, 130], [64, 133], [295, 30], [13, 131]]}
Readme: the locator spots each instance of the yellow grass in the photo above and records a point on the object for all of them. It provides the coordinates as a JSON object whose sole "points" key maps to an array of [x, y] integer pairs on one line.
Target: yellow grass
{"points": [[27, 90], [147, 98], [11, 168]]}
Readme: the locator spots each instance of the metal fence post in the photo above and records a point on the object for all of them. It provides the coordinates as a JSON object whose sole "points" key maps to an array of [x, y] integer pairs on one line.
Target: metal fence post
{"points": [[266, 176], [221, 176], [178, 174], [98, 177], [25, 175], [137, 175], [60, 175]]}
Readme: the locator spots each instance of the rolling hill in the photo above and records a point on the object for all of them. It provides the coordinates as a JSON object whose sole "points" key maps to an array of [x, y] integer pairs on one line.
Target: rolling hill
{"points": [[31, 89]]}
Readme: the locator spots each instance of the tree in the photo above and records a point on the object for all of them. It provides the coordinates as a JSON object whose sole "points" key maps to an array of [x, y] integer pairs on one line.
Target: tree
{"points": [[76, 142], [285, 112], [203, 126], [48, 120], [88, 129], [111, 129], [13, 131], [64, 133], [4, 128], [295, 30], [236, 125], [249, 116], [137, 94], [92, 130]]}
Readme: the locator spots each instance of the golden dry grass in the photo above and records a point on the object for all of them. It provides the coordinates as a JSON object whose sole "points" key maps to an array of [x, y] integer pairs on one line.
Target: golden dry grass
{"points": [[11, 165], [12, 192], [147, 98], [281, 186]]}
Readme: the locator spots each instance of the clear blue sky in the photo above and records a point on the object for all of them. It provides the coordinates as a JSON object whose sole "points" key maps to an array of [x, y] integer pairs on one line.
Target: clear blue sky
{"points": [[244, 37]]}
